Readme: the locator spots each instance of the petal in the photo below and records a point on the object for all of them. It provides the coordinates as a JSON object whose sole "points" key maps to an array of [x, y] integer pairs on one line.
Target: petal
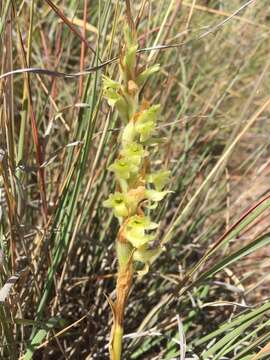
{"points": [[155, 195], [121, 210]]}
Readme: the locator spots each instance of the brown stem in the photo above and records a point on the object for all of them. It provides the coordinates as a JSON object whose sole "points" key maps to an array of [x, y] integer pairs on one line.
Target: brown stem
{"points": [[123, 285]]}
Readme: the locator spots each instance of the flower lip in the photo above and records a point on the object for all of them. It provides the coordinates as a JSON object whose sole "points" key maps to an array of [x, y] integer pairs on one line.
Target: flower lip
{"points": [[122, 162], [119, 201]]}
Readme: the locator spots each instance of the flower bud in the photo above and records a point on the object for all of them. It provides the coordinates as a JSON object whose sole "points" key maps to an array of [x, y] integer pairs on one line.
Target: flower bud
{"points": [[128, 134]]}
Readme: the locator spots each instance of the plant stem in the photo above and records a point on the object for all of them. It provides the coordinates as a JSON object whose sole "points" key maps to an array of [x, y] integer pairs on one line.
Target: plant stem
{"points": [[123, 285]]}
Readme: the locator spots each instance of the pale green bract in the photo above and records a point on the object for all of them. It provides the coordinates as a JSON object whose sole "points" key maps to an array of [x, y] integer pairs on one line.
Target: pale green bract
{"points": [[130, 57]]}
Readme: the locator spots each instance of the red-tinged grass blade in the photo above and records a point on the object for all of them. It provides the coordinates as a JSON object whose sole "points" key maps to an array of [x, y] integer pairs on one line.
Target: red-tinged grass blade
{"points": [[236, 256], [39, 154], [70, 25], [246, 219]]}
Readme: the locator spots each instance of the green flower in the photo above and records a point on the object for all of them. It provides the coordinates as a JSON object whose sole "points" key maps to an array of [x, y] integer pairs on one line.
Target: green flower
{"points": [[136, 228], [118, 101], [134, 152], [117, 98], [117, 202], [145, 256], [146, 122], [159, 179], [123, 168]]}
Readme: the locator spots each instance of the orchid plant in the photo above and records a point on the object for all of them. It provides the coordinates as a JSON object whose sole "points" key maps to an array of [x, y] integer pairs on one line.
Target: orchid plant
{"points": [[138, 188]]}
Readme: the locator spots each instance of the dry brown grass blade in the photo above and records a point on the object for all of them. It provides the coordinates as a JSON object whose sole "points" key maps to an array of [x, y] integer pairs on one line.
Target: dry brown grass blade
{"points": [[265, 350], [215, 169], [224, 14]]}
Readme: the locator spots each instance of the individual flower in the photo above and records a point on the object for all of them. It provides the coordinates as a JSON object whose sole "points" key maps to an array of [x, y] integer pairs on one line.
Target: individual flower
{"points": [[134, 152], [145, 255], [159, 179], [117, 202], [117, 100], [123, 168], [135, 230], [146, 122]]}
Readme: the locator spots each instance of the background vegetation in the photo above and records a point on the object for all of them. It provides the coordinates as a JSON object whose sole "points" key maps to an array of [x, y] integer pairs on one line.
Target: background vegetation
{"points": [[210, 287]]}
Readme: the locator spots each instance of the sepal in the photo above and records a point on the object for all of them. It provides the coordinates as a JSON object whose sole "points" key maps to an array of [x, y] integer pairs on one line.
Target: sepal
{"points": [[155, 195], [144, 75]]}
